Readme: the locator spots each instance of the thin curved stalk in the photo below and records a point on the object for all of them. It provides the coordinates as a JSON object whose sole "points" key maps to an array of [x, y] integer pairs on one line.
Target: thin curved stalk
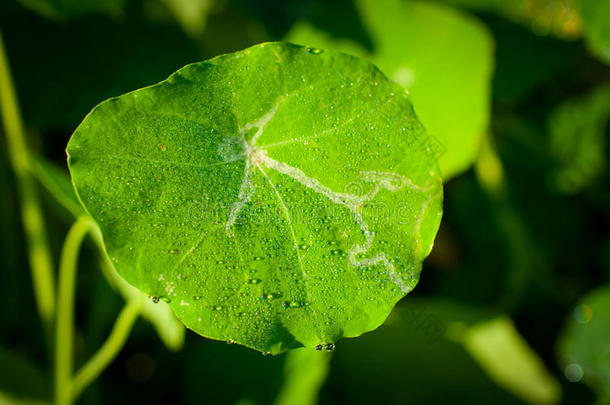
{"points": [[64, 328], [104, 356], [41, 264]]}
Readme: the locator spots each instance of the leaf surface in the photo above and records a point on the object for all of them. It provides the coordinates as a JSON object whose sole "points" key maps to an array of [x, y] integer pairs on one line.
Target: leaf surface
{"points": [[275, 197], [507, 358], [57, 184], [577, 139], [584, 348], [596, 26]]}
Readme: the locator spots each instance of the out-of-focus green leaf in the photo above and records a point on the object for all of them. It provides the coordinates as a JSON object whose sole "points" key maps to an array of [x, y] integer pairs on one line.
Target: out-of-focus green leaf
{"points": [[8, 399], [578, 139], [191, 14], [567, 19], [544, 17], [447, 70], [68, 9], [507, 358], [277, 197], [305, 371], [415, 357], [596, 26], [584, 345], [21, 381], [303, 32]]}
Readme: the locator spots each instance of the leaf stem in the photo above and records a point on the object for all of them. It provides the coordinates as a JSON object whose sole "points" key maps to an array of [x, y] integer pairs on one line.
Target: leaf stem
{"points": [[64, 327], [104, 356], [41, 264]]}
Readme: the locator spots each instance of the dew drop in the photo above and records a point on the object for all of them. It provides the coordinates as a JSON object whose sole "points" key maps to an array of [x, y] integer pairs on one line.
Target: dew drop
{"points": [[314, 51], [155, 299], [254, 281], [292, 304], [270, 296], [166, 299], [217, 308], [197, 297], [327, 347]]}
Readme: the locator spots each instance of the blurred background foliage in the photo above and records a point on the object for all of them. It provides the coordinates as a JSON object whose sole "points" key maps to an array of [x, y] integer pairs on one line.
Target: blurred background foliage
{"points": [[514, 302]]}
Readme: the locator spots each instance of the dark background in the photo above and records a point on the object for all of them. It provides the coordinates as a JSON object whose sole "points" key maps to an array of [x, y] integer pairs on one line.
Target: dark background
{"points": [[552, 239]]}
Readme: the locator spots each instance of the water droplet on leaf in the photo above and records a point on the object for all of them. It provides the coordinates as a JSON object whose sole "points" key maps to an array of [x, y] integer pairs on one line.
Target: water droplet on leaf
{"points": [[270, 296], [314, 51], [327, 347]]}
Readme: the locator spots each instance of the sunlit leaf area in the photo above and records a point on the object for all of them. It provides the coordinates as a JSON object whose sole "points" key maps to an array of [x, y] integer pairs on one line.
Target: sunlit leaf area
{"points": [[299, 202]]}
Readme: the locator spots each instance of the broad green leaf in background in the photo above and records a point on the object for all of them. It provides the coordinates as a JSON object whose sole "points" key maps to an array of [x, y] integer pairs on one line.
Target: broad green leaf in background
{"points": [[567, 19], [578, 139], [191, 14], [584, 345], [276, 197], [8, 399], [545, 17], [596, 26], [430, 343], [67, 9], [304, 373], [447, 71], [508, 359]]}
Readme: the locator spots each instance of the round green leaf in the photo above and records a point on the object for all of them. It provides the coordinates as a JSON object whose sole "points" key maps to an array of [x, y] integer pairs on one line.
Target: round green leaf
{"points": [[596, 26], [276, 197], [584, 347]]}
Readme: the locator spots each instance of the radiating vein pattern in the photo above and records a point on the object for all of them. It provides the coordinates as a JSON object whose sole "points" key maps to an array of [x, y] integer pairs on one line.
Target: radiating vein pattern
{"points": [[274, 197], [256, 157]]}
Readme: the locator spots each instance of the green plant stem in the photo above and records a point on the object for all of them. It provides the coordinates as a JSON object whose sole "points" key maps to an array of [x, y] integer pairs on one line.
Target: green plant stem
{"points": [[64, 327], [104, 356], [41, 263]]}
